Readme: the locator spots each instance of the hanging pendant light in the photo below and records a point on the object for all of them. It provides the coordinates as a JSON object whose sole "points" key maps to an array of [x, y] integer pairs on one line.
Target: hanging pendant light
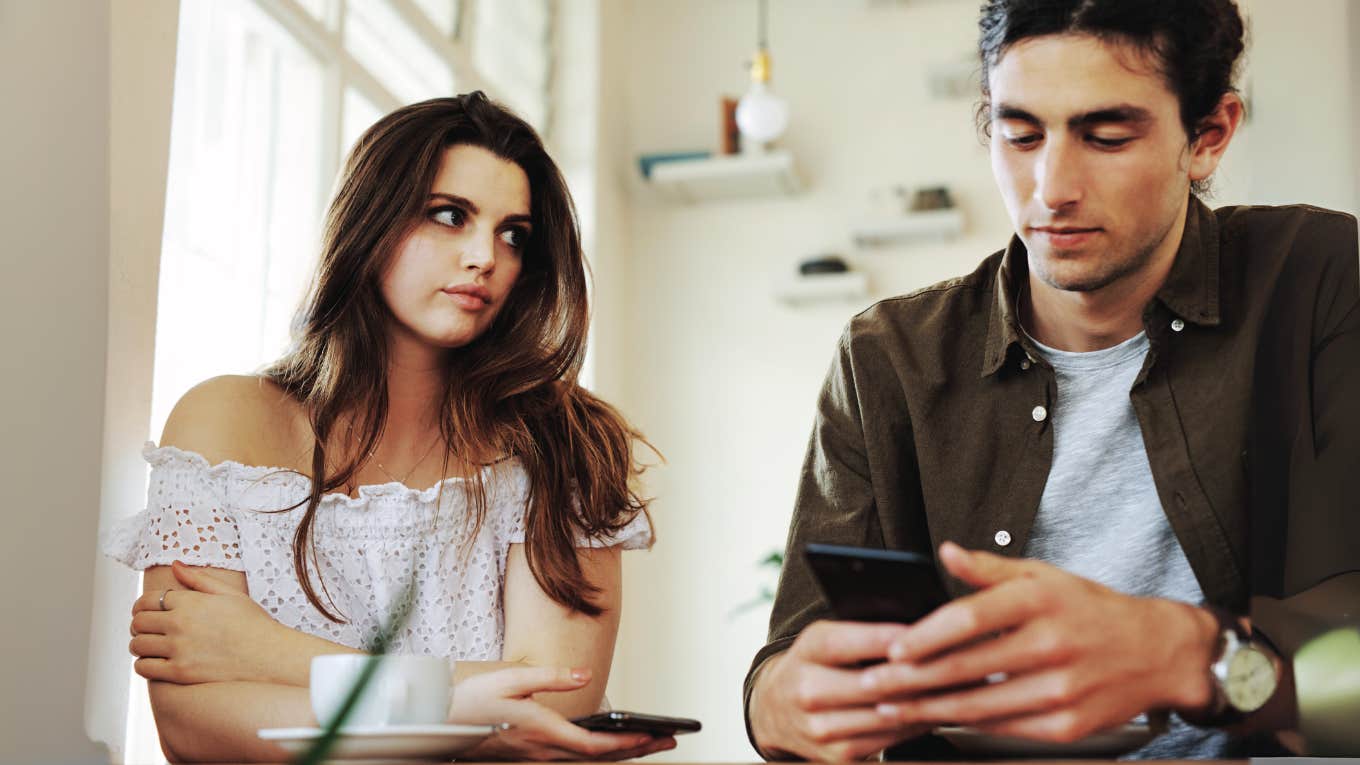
{"points": [[761, 115]]}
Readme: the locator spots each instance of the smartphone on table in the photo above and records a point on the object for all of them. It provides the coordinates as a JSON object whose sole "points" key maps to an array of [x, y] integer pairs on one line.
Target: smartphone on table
{"points": [[865, 584], [634, 722]]}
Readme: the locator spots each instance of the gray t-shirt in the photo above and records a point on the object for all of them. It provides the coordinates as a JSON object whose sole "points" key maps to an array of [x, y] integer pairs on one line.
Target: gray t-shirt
{"points": [[1100, 517]]}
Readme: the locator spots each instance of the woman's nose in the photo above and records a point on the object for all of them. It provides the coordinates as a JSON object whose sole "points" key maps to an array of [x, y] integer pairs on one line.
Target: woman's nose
{"points": [[479, 254]]}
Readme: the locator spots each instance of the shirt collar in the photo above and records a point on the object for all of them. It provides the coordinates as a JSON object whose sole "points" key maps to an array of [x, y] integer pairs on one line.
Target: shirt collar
{"points": [[1190, 290]]}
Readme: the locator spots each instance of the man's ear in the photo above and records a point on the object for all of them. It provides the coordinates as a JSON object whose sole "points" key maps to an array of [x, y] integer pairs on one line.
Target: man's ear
{"points": [[1215, 133]]}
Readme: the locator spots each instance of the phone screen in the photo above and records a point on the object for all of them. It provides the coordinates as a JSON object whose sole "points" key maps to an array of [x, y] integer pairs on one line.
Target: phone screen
{"points": [[865, 584]]}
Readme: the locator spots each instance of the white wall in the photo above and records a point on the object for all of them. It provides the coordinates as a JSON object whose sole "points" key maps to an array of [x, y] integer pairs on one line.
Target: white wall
{"points": [[54, 208], [1303, 64], [721, 377]]}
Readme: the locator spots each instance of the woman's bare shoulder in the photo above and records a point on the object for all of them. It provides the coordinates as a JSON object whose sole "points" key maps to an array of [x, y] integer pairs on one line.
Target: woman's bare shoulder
{"points": [[242, 418]]}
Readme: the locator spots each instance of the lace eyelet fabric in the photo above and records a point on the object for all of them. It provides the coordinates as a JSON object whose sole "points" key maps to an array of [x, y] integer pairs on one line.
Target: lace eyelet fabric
{"points": [[234, 516]]}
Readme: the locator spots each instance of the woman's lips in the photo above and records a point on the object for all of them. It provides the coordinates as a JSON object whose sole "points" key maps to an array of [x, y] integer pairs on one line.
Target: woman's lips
{"points": [[467, 302], [470, 297]]}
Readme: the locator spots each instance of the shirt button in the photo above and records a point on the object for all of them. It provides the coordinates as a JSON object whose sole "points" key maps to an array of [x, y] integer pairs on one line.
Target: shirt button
{"points": [[1025, 364], [1177, 325], [1039, 414], [1002, 538]]}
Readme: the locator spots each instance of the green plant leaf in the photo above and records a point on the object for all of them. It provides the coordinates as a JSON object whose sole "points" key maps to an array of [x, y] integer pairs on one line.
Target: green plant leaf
{"points": [[317, 753], [765, 597]]}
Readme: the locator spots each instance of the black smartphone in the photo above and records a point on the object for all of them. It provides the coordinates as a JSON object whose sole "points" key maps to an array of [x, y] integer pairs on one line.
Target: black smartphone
{"points": [[864, 584], [632, 722]]}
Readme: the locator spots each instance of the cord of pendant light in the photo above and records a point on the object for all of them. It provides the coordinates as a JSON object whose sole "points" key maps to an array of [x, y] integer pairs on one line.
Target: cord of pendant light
{"points": [[762, 31]]}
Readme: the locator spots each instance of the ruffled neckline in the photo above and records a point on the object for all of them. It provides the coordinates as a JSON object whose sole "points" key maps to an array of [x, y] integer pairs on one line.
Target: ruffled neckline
{"points": [[161, 455]]}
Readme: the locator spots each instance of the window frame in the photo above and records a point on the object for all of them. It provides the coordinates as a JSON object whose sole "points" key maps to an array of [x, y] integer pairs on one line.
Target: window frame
{"points": [[325, 40]]}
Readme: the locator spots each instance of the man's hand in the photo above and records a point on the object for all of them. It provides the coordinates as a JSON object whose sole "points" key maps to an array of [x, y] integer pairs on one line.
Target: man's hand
{"points": [[1066, 656], [812, 701]]}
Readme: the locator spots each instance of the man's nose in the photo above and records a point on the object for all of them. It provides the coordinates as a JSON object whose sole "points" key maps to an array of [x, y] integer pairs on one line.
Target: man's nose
{"points": [[1059, 176]]}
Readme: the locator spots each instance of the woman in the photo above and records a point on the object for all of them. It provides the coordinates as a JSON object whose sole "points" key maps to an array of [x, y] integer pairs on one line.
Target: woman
{"points": [[439, 348]]}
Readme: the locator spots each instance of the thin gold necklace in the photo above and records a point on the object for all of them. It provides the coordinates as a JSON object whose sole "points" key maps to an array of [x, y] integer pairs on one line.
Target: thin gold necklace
{"points": [[373, 455]]}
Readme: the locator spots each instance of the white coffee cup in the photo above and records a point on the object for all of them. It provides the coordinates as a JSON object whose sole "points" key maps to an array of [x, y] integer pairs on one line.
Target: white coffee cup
{"points": [[405, 689]]}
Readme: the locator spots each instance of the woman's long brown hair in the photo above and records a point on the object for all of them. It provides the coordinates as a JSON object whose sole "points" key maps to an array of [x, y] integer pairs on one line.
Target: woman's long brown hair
{"points": [[513, 390]]}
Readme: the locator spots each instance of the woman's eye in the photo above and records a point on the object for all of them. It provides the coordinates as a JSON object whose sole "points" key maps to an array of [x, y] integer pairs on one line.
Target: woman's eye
{"points": [[515, 237], [448, 216], [1022, 140]]}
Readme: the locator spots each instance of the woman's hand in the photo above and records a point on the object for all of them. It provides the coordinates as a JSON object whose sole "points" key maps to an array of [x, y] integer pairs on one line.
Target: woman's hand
{"points": [[537, 732], [210, 632]]}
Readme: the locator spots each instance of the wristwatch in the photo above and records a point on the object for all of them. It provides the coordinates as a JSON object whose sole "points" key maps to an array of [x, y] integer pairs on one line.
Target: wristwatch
{"points": [[1244, 675]]}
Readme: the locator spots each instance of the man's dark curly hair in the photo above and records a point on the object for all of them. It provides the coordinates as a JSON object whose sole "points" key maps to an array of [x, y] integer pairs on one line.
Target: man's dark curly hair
{"points": [[1196, 44]]}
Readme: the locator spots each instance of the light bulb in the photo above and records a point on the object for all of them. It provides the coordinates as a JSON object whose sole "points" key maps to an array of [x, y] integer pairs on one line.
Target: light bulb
{"points": [[761, 115]]}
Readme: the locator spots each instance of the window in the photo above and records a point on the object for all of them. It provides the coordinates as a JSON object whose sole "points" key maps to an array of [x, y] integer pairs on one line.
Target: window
{"points": [[269, 96], [518, 71], [383, 43], [243, 195]]}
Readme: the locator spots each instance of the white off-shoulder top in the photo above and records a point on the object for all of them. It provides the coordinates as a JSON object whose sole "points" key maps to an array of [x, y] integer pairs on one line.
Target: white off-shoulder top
{"points": [[227, 516]]}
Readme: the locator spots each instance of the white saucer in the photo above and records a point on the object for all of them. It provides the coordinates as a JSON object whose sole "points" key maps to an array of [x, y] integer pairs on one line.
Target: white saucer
{"points": [[1110, 743], [385, 742]]}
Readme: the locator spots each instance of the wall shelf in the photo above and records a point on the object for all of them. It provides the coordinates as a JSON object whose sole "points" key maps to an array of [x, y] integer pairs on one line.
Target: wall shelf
{"points": [[726, 177], [913, 226], [800, 290]]}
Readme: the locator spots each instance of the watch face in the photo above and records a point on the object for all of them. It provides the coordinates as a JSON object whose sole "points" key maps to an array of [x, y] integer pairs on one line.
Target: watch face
{"points": [[1251, 679]]}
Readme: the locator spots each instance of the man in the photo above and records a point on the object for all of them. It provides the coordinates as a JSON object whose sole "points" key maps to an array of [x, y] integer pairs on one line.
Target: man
{"points": [[1127, 439]]}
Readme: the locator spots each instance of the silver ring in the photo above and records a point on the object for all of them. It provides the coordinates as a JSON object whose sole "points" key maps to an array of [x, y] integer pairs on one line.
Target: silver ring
{"points": [[162, 600]]}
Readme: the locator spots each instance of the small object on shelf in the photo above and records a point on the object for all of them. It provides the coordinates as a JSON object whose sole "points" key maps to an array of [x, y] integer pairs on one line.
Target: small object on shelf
{"points": [[743, 175], [823, 264], [731, 136], [929, 224], [887, 201], [931, 198], [648, 162], [797, 290]]}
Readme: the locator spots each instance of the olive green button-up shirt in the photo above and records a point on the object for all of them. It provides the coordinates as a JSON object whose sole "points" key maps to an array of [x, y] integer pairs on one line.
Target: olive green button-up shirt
{"points": [[935, 423]]}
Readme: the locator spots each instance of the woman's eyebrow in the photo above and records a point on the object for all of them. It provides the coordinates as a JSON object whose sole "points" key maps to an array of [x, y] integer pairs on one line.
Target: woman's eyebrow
{"points": [[464, 202]]}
